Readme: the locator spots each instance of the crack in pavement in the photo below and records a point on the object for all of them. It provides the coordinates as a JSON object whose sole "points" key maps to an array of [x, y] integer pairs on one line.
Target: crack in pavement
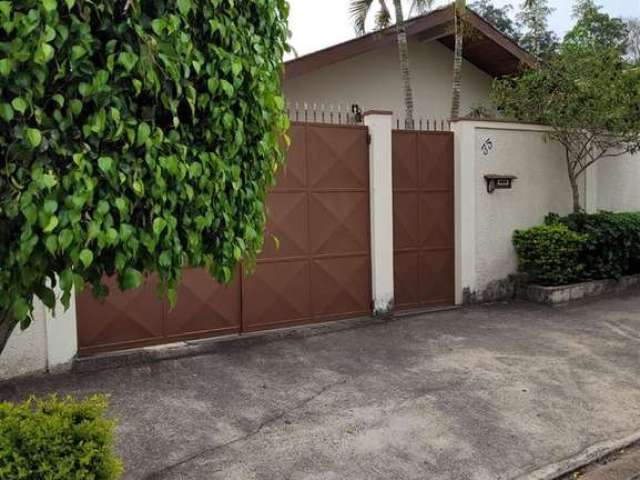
{"points": [[158, 474]]}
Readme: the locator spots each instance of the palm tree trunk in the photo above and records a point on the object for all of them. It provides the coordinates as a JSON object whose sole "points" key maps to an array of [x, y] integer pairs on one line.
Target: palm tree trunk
{"points": [[456, 87], [7, 325], [405, 67]]}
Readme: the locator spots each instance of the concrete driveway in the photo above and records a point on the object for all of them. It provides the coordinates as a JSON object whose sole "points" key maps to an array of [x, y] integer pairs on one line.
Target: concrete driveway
{"points": [[484, 393]]}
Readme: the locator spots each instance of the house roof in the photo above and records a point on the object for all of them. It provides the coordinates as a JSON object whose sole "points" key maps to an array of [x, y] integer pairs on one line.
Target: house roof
{"points": [[487, 48]]}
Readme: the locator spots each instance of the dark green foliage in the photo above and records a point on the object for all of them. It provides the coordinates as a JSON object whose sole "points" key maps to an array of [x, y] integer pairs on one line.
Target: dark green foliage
{"points": [[550, 254], [580, 247], [613, 246], [498, 17], [134, 141], [57, 440]]}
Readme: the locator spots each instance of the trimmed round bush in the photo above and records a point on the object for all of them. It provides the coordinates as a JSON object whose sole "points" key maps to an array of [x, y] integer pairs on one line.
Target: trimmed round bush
{"points": [[57, 440], [136, 136], [550, 254]]}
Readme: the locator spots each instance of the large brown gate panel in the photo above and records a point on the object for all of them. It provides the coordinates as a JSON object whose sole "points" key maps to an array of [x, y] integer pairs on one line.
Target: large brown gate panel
{"points": [[319, 213], [423, 182]]}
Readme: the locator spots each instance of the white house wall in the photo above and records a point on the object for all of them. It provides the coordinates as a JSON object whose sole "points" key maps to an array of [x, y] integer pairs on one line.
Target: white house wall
{"points": [[372, 80]]}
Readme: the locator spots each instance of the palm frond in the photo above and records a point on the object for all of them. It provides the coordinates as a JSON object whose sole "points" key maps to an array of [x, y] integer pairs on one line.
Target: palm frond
{"points": [[383, 17], [359, 9]]}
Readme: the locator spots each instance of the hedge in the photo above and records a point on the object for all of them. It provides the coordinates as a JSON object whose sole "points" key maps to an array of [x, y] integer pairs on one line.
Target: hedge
{"points": [[57, 439], [550, 254], [580, 247], [136, 137]]}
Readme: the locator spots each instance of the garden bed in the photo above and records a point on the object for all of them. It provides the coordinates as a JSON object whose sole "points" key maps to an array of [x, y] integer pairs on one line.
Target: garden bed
{"points": [[577, 291]]}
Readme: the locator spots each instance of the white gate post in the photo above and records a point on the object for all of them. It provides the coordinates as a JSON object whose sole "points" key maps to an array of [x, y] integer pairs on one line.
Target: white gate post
{"points": [[381, 208]]}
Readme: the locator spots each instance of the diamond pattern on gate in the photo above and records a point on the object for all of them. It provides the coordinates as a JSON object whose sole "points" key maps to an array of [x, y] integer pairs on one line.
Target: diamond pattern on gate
{"points": [[134, 315], [406, 231], [339, 222], [204, 305], [405, 161], [436, 220], [435, 174], [340, 285], [406, 278], [293, 174], [287, 221], [277, 293], [337, 158], [437, 276]]}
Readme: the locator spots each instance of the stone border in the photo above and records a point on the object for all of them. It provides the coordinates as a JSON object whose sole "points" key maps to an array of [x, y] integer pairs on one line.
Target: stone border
{"points": [[577, 291]]}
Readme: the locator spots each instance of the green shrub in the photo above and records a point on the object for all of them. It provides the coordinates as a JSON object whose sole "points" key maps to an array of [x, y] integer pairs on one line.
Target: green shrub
{"points": [[550, 254], [57, 439], [134, 140], [613, 246]]}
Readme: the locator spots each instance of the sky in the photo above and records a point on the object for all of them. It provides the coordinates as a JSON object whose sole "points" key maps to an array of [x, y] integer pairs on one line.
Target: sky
{"points": [[316, 24]]}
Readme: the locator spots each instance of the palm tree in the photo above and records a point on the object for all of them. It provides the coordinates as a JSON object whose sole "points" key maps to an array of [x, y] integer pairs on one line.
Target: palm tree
{"points": [[359, 12], [459, 14]]}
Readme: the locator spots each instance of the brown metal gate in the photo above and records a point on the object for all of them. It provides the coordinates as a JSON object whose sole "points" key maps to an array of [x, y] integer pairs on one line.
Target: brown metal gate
{"points": [[423, 219], [318, 211]]}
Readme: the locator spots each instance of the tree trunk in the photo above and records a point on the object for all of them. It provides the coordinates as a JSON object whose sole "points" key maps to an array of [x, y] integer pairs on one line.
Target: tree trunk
{"points": [[405, 67], [573, 180], [457, 60], [7, 325]]}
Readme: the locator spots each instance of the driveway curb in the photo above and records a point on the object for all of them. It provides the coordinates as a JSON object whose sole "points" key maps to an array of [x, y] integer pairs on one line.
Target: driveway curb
{"points": [[583, 459]]}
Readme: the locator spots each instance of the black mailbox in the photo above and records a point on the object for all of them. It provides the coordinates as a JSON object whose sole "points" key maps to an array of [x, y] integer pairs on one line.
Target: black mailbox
{"points": [[499, 182]]}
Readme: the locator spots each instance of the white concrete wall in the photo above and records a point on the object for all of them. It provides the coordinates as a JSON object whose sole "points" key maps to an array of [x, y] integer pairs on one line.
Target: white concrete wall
{"points": [[618, 183], [49, 344], [486, 222], [26, 351], [373, 81]]}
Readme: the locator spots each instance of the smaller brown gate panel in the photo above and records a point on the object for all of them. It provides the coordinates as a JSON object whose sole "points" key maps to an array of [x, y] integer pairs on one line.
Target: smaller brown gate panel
{"points": [[423, 182]]}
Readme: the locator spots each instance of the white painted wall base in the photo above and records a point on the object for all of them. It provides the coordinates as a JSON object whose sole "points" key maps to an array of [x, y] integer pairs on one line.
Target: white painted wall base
{"points": [[381, 201], [49, 344]]}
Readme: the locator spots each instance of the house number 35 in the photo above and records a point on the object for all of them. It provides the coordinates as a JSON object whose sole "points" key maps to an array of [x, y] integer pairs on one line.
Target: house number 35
{"points": [[487, 146]]}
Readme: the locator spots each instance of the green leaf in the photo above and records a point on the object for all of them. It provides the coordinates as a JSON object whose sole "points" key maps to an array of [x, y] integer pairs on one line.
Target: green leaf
{"points": [[105, 164], [159, 224], [44, 54], [184, 6], [21, 309], [227, 87], [47, 296], [131, 279], [59, 99], [65, 239], [50, 5], [33, 136], [70, 3], [52, 244], [6, 65], [77, 52], [5, 8], [19, 105], [76, 106], [6, 112], [128, 60], [86, 257], [50, 207], [51, 225], [143, 134]]}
